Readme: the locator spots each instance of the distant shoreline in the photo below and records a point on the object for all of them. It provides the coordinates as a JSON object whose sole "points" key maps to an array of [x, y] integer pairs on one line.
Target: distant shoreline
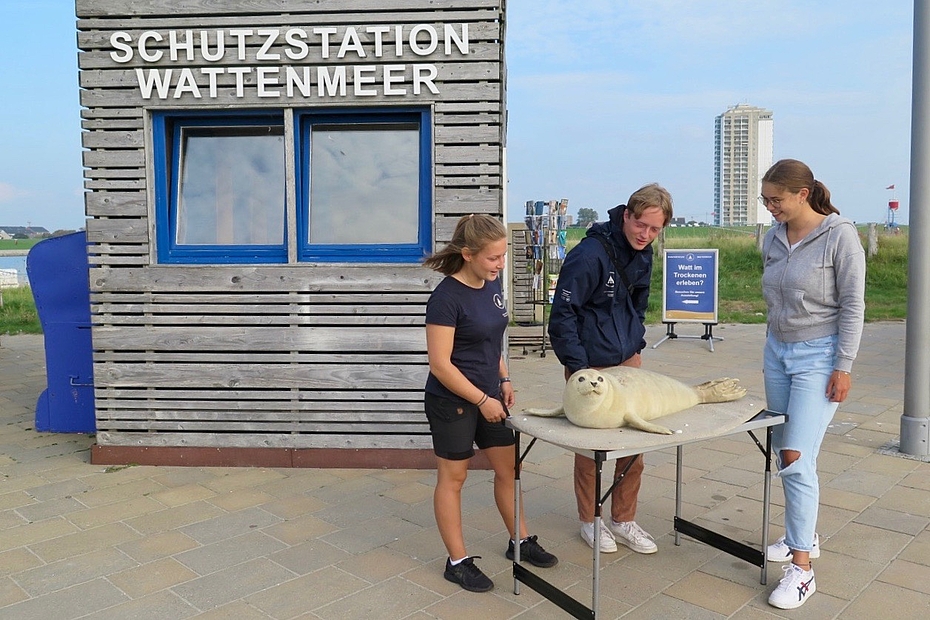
{"points": [[14, 252]]}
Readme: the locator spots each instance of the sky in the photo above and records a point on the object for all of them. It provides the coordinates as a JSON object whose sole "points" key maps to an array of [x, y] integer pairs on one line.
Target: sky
{"points": [[603, 96]]}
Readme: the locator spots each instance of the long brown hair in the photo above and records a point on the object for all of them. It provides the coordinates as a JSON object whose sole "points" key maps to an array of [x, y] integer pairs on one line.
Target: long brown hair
{"points": [[473, 232], [794, 175]]}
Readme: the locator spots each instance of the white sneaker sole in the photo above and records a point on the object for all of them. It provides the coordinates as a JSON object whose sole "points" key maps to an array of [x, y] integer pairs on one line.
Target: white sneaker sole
{"points": [[636, 548], [604, 549], [794, 604]]}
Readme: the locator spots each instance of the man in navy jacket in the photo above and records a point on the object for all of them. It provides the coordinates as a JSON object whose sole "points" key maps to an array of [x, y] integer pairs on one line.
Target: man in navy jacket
{"points": [[597, 320]]}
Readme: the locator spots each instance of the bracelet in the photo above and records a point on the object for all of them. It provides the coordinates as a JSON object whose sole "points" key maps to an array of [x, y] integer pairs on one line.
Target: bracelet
{"points": [[505, 379], [482, 401]]}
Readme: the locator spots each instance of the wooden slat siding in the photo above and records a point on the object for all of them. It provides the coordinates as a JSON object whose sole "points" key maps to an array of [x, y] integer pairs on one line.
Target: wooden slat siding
{"points": [[228, 426], [256, 320], [179, 8], [285, 356], [226, 98], [345, 441], [112, 139], [259, 376], [114, 158], [467, 181], [270, 298], [114, 173], [258, 358], [113, 185], [292, 310], [121, 230], [268, 399], [521, 290], [264, 340], [113, 204], [90, 38], [249, 279]]}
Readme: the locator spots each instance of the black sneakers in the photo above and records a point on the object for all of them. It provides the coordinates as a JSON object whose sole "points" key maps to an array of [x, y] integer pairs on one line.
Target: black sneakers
{"points": [[532, 552], [467, 575]]}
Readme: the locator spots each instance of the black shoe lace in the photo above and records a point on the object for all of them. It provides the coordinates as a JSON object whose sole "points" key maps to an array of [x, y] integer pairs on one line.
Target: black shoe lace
{"points": [[468, 566]]}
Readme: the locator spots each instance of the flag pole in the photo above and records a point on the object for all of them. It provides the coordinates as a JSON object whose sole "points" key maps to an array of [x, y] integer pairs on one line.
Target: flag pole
{"points": [[915, 421]]}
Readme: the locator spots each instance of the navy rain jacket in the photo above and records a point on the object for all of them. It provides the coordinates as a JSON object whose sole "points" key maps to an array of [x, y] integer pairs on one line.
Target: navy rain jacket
{"points": [[594, 321]]}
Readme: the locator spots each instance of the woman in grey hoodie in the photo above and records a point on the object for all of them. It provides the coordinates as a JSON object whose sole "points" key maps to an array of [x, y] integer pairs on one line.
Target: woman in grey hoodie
{"points": [[814, 286]]}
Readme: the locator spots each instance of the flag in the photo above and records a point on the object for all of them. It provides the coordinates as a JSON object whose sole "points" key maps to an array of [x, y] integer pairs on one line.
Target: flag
{"points": [[890, 187]]}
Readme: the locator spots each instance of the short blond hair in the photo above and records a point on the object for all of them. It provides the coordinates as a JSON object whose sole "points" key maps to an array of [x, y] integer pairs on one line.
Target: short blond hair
{"points": [[651, 195]]}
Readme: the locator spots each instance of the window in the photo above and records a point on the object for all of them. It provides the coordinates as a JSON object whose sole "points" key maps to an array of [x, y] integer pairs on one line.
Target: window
{"points": [[363, 186], [220, 189]]}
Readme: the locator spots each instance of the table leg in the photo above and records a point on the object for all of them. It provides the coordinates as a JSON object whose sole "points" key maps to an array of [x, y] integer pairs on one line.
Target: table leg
{"points": [[598, 503], [678, 468], [766, 503], [516, 507]]}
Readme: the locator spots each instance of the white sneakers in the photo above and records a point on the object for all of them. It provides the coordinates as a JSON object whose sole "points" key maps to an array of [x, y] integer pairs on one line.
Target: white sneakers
{"points": [[794, 588], [628, 533], [779, 551], [606, 542], [633, 536]]}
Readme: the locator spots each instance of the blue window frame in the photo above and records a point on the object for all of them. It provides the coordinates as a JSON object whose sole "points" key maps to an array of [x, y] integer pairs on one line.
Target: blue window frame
{"points": [[220, 188], [363, 186]]}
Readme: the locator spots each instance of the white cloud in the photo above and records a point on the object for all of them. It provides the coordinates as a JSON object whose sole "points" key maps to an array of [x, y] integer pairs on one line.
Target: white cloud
{"points": [[9, 192]]}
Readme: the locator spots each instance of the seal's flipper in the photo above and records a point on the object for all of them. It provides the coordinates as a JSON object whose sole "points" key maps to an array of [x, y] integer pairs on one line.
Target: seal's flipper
{"points": [[720, 390], [546, 413], [637, 422]]}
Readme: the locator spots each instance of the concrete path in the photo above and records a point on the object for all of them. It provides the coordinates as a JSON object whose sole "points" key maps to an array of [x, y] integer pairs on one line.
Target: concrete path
{"points": [[85, 541]]}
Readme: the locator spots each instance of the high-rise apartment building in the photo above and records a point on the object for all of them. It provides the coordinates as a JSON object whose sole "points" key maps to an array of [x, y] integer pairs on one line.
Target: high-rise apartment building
{"points": [[743, 151]]}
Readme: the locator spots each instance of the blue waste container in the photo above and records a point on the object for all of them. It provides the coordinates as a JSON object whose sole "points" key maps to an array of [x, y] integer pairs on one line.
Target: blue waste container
{"points": [[59, 276]]}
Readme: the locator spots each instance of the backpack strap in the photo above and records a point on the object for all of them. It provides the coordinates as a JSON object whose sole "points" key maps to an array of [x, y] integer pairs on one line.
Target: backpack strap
{"points": [[621, 271]]}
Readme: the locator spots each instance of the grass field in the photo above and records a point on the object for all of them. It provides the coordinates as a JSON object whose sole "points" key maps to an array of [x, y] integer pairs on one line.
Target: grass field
{"points": [[739, 284], [17, 244]]}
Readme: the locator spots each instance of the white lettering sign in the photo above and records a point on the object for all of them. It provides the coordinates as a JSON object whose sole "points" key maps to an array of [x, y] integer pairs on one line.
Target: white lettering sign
{"points": [[182, 54]]}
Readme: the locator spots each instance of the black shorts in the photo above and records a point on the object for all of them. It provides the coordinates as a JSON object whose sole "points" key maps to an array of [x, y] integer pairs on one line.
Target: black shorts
{"points": [[457, 426]]}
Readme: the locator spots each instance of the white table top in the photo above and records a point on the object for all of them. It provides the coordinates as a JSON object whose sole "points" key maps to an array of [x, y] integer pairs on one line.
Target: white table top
{"points": [[697, 423]]}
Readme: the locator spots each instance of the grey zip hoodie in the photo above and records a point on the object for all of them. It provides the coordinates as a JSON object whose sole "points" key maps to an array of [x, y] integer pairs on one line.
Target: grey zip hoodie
{"points": [[817, 289]]}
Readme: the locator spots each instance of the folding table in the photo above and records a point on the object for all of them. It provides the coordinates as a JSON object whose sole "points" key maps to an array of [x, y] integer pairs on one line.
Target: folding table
{"points": [[699, 423]]}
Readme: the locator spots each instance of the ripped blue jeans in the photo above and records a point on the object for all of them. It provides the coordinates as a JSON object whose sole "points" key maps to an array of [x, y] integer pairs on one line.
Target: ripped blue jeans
{"points": [[796, 376]]}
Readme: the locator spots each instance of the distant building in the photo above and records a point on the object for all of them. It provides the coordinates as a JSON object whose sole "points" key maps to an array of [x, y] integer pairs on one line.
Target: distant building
{"points": [[31, 232], [743, 151]]}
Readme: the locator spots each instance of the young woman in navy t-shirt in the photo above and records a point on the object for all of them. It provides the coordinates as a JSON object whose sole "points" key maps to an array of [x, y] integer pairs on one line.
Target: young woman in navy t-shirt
{"points": [[468, 390]]}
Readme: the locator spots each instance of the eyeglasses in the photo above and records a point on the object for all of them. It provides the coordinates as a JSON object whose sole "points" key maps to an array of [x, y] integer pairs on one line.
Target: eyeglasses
{"points": [[775, 202], [643, 227]]}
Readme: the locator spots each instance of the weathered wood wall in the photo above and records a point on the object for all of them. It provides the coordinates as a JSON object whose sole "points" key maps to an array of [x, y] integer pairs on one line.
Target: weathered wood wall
{"points": [[277, 356]]}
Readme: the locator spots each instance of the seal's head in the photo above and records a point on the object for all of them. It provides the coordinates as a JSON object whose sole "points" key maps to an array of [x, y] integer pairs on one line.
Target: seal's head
{"points": [[585, 390]]}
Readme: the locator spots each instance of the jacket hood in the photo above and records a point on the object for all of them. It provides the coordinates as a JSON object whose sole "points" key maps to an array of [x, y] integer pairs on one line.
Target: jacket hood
{"points": [[612, 228], [825, 227]]}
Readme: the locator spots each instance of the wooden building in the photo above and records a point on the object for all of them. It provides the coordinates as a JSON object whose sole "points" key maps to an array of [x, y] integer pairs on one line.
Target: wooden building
{"points": [[263, 179]]}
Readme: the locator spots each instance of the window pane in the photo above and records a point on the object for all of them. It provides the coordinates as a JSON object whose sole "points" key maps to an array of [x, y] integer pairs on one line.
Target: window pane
{"points": [[231, 187], [364, 184]]}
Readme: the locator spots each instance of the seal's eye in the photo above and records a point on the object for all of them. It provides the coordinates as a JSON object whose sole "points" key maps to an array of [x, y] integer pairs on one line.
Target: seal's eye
{"points": [[580, 379], [600, 379]]}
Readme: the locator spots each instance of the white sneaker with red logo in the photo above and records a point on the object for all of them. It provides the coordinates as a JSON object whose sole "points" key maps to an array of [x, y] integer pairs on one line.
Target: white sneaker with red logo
{"points": [[794, 588]]}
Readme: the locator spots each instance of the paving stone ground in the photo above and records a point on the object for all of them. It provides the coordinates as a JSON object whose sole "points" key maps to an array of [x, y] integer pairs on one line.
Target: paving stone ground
{"points": [[88, 541]]}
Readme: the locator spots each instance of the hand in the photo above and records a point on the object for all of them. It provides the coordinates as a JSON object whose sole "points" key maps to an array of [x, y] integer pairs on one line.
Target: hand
{"points": [[838, 386], [507, 394], [635, 361], [493, 410]]}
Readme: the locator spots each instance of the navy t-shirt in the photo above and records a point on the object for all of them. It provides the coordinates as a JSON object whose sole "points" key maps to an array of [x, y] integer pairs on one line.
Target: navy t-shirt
{"points": [[479, 317]]}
